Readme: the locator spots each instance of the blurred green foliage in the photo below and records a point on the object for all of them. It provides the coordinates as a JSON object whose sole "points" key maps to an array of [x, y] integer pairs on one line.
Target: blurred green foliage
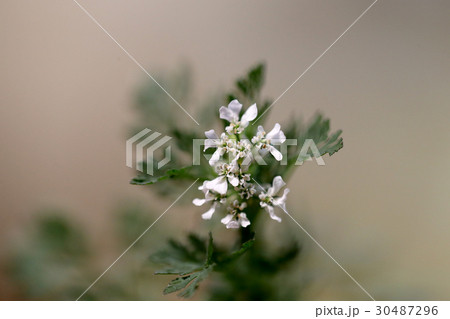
{"points": [[57, 260]]}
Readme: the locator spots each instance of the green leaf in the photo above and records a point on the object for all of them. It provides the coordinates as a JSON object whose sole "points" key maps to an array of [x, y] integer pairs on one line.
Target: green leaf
{"points": [[193, 263], [248, 87], [256, 77], [180, 259], [238, 253], [180, 269], [243, 86], [145, 179], [179, 283], [198, 277], [197, 242], [318, 131]]}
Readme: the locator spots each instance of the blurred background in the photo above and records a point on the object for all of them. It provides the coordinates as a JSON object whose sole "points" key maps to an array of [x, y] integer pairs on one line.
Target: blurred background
{"points": [[380, 206]]}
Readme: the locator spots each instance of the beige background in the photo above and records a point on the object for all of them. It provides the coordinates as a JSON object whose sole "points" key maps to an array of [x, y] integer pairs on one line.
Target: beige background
{"points": [[380, 206]]}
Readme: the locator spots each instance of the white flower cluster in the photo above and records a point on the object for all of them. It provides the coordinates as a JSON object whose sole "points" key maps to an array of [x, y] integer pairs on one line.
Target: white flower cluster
{"points": [[234, 146]]}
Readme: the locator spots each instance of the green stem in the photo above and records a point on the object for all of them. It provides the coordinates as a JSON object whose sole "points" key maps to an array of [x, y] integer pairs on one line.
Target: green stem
{"points": [[246, 234]]}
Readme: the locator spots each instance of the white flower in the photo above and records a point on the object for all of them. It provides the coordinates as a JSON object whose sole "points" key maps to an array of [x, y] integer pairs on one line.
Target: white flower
{"points": [[268, 201], [209, 196], [265, 141], [231, 114], [222, 143], [238, 151], [234, 221], [230, 171], [208, 214], [227, 173], [218, 185], [236, 217], [243, 150]]}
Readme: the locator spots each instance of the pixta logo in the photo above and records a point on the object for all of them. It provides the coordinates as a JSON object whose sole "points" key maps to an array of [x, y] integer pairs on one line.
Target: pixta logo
{"points": [[308, 152], [146, 142]]}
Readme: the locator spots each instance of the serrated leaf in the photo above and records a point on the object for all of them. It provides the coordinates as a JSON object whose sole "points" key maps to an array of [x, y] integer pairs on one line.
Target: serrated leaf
{"points": [[179, 269], [199, 276], [188, 271], [179, 258], [249, 86], [318, 131], [192, 263], [179, 283]]}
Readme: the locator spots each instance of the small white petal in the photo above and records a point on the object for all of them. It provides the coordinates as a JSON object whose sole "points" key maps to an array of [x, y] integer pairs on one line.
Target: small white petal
{"points": [[210, 212], [276, 153], [199, 202], [211, 134], [226, 219], [281, 138], [233, 224], [277, 184], [280, 201], [210, 143], [218, 185], [260, 129], [227, 114], [274, 131], [209, 196], [276, 135], [235, 107], [233, 180], [216, 156], [243, 220], [249, 115], [234, 165], [272, 215]]}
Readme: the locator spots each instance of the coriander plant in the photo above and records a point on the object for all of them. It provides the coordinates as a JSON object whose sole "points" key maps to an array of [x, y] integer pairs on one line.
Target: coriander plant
{"points": [[242, 180]]}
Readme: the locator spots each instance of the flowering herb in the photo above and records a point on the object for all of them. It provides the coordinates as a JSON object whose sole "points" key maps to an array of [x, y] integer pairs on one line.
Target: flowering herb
{"points": [[234, 185], [243, 179]]}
